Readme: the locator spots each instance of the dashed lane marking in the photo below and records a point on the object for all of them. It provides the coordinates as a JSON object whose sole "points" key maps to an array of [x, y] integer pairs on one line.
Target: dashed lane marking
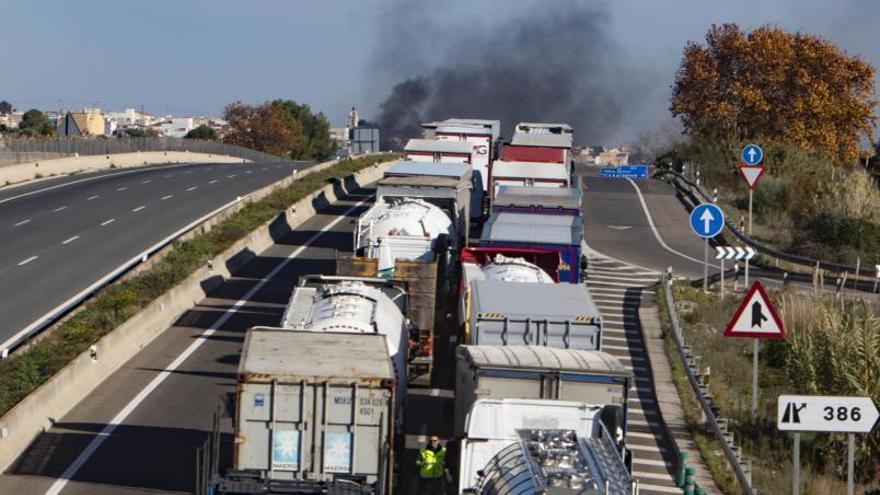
{"points": [[68, 241], [139, 208], [167, 197], [96, 196], [25, 262], [193, 188], [19, 224], [60, 208], [108, 222]]}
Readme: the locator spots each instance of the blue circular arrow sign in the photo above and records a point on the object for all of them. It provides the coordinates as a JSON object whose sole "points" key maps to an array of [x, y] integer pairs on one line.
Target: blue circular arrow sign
{"points": [[752, 154], [707, 220]]}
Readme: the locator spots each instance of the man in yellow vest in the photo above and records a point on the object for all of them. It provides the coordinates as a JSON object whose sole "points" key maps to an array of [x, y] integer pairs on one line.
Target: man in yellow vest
{"points": [[432, 468]]}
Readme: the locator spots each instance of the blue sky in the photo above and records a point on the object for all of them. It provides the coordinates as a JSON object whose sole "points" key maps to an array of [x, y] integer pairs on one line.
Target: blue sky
{"points": [[193, 57]]}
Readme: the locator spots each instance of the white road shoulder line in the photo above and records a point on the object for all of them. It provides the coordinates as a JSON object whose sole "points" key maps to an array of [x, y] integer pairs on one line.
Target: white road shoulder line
{"points": [[108, 222], [120, 417], [68, 241], [25, 262]]}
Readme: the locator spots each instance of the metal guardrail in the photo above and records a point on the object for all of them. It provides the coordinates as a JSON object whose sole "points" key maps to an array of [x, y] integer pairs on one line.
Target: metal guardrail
{"points": [[697, 193], [112, 145], [740, 466]]}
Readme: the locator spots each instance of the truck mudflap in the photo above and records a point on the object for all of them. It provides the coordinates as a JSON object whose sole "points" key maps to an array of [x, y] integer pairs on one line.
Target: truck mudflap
{"points": [[253, 483]]}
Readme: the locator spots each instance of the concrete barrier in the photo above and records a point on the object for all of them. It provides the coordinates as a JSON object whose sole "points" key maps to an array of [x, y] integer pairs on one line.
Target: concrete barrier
{"points": [[55, 398], [12, 174]]}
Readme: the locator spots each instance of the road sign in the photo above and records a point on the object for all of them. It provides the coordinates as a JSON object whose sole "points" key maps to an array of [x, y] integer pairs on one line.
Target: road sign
{"points": [[734, 253], [826, 413], [756, 317], [751, 174], [752, 154], [707, 220], [625, 171]]}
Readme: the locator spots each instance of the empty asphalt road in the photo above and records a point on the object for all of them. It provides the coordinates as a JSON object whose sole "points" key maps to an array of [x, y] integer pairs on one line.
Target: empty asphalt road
{"points": [[62, 235]]}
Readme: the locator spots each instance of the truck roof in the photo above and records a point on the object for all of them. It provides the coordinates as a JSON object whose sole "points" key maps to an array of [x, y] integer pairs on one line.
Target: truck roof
{"points": [[439, 146], [543, 140], [534, 300], [533, 170], [541, 358], [428, 169], [532, 228], [538, 197], [291, 355]]}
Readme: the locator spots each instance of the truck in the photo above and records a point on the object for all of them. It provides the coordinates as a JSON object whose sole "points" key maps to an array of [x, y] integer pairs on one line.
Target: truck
{"points": [[531, 313], [563, 201], [452, 187], [539, 230], [402, 228], [538, 372], [517, 446], [305, 424]]}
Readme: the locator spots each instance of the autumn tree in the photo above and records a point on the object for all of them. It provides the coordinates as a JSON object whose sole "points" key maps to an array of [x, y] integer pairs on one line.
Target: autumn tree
{"points": [[315, 143], [264, 128], [772, 85]]}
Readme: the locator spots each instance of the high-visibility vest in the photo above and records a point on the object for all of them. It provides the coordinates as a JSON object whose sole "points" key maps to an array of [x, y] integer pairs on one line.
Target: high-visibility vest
{"points": [[431, 463]]}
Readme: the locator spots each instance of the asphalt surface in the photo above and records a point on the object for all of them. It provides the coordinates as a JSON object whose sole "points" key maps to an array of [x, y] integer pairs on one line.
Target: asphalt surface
{"points": [[152, 449], [63, 234]]}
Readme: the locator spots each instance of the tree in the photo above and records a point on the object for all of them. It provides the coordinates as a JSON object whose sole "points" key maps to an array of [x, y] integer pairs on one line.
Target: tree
{"points": [[202, 132], [5, 107], [770, 85], [264, 128], [35, 123], [316, 143]]}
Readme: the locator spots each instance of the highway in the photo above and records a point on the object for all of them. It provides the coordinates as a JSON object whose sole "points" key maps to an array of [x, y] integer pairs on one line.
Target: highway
{"points": [[61, 235], [137, 433]]}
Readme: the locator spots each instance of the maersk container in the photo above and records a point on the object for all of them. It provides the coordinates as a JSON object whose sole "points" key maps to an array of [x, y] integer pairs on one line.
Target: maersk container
{"points": [[315, 407], [554, 315], [537, 372]]}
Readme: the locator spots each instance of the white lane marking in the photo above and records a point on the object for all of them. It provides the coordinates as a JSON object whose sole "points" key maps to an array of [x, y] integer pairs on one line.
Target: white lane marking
{"points": [[87, 179], [193, 188], [71, 239], [654, 227], [123, 188], [108, 222], [213, 181], [25, 262], [117, 420], [168, 197], [19, 224], [230, 176], [93, 197], [146, 181], [56, 210], [264, 169], [167, 176], [249, 171], [139, 208]]}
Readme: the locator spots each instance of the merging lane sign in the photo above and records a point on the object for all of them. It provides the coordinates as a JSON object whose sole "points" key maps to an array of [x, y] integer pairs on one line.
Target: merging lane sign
{"points": [[756, 317], [826, 413]]}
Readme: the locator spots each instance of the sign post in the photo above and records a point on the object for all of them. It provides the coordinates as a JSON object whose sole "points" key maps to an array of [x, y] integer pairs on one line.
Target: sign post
{"points": [[756, 318], [751, 170], [826, 413], [706, 220]]}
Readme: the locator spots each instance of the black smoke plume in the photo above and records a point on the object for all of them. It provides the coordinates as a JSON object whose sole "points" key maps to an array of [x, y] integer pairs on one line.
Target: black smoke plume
{"points": [[553, 63]]}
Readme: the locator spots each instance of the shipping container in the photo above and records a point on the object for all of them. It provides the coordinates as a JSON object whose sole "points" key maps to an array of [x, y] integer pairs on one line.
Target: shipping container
{"points": [[529, 174], [304, 415], [539, 372], [554, 315], [561, 233], [438, 151], [512, 153]]}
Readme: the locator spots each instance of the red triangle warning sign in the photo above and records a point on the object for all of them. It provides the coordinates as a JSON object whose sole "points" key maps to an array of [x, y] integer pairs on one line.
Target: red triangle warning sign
{"points": [[756, 317], [751, 174]]}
